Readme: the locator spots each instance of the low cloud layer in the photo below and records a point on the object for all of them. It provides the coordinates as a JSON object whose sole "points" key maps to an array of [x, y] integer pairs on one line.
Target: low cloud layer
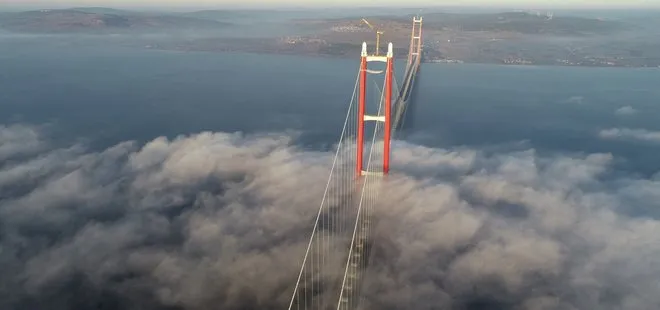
{"points": [[17, 140], [630, 134], [220, 221]]}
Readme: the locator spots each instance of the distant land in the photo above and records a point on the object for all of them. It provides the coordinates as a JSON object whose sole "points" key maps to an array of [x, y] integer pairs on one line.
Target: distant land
{"points": [[513, 38], [522, 22], [99, 20]]}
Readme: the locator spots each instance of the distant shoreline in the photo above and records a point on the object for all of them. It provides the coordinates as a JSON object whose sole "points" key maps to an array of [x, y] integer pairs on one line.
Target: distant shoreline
{"points": [[140, 45], [329, 56], [515, 38]]}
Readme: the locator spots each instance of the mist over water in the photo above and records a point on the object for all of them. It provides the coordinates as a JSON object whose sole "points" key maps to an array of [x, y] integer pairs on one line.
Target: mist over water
{"points": [[123, 184]]}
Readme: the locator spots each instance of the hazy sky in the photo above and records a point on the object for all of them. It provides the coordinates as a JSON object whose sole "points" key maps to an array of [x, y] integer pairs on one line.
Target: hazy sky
{"points": [[273, 3]]}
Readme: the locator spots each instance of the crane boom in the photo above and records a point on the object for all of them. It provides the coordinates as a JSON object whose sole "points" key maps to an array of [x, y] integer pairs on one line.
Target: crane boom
{"points": [[378, 33], [368, 24]]}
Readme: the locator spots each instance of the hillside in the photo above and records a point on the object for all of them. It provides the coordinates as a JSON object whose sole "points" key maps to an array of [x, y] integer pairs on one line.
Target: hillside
{"points": [[95, 20], [520, 22], [226, 15], [102, 10]]}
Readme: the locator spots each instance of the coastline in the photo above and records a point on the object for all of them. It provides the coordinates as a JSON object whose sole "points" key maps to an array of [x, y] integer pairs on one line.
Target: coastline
{"points": [[399, 56]]}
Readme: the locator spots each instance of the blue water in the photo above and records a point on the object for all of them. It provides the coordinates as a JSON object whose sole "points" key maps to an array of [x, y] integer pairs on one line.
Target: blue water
{"points": [[552, 109], [103, 94]]}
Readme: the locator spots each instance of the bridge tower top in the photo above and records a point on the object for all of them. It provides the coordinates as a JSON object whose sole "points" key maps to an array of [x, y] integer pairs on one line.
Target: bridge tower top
{"points": [[384, 119], [415, 53]]}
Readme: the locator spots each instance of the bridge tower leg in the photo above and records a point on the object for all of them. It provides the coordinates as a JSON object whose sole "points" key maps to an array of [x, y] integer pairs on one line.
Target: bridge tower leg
{"points": [[388, 109], [386, 118], [362, 102]]}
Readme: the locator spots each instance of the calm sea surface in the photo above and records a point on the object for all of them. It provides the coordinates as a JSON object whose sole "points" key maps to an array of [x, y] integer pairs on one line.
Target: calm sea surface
{"points": [[104, 94]]}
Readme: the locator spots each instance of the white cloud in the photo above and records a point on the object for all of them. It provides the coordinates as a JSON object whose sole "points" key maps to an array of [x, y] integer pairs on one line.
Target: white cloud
{"points": [[630, 134], [574, 100], [625, 110], [18, 140]]}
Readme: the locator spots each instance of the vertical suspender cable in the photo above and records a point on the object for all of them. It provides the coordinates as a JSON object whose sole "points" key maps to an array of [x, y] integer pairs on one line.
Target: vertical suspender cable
{"points": [[311, 239]]}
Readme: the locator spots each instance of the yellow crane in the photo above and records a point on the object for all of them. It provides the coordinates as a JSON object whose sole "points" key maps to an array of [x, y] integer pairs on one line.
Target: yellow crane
{"points": [[378, 33]]}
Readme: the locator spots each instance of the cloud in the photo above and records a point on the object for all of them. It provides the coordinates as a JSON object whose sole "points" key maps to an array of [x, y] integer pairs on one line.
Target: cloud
{"points": [[219, 220], [194, 222], [521, 232], [17, 140], [574, 100], [630, 134], [625, 110]]}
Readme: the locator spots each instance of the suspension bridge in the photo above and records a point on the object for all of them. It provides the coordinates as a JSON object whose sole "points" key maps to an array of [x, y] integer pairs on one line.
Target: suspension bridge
{"points": [[338, 253]]}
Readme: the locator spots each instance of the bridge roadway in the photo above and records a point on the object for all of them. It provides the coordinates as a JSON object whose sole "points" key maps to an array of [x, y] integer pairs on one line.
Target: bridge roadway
{"points": [[404, 94]]}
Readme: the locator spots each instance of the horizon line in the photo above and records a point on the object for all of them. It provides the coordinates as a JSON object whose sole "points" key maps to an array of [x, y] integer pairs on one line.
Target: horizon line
{"points": [[320, 7]]}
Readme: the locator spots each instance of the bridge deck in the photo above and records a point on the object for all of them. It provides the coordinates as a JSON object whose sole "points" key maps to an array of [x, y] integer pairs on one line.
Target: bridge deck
{"points": [[404, 95]]}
